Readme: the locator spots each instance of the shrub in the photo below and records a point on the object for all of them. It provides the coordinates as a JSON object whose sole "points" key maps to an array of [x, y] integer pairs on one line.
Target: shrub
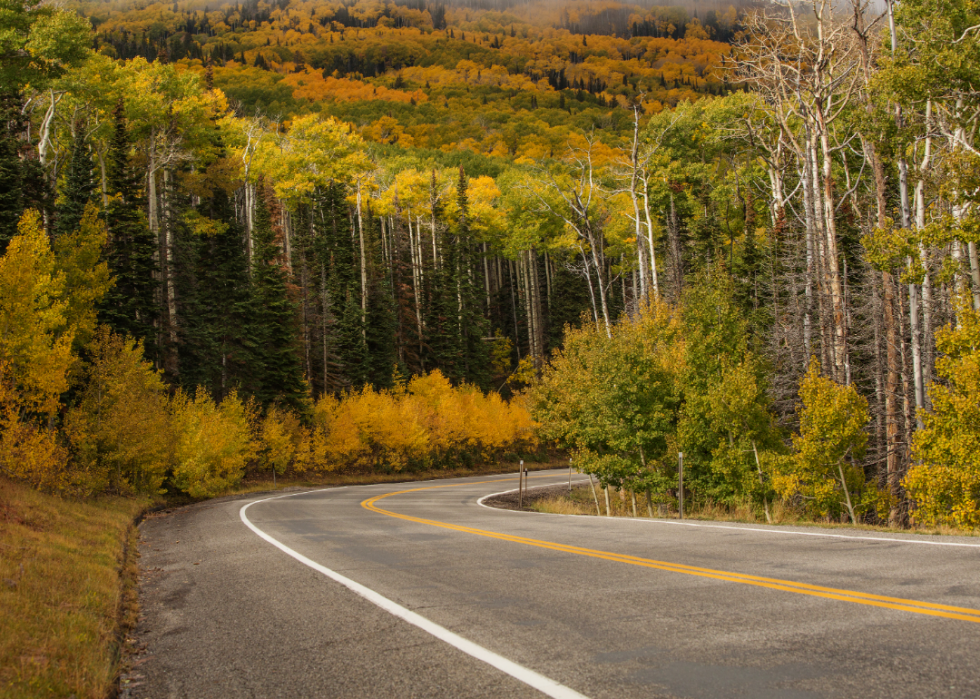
{"points": [[832, 438], [212, 444], [283, 441], [120, 429], [27, 452]]}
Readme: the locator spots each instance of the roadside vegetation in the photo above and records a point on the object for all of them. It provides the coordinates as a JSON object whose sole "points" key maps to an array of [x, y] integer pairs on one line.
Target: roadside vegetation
{"points": [[584, 501], [682, 382], [60, 591]]}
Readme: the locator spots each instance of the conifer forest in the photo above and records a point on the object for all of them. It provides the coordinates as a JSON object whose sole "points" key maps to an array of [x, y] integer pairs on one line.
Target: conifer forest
{"points": [[296, 237]]}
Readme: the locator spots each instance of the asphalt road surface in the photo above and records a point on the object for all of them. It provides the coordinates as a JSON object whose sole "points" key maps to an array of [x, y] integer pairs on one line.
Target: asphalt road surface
{"points": [[417, 590]]}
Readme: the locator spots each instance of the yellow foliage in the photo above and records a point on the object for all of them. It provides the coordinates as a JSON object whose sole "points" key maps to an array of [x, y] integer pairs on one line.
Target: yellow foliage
{"points": [[945, 483], [27, 452], [120, 430], [86, 278], [284, 441], [34, 337], [427, 424], [831, 442], [212, 443], [47, 302]]}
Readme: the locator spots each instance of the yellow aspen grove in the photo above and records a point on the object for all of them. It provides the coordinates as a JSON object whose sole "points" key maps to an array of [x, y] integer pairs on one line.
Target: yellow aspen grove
{"points": [[35, 336]]}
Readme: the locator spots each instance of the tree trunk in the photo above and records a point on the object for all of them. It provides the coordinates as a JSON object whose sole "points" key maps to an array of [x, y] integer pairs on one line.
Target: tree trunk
{"points": [[364, 285], [654, 282], [893, 340], [634, 198], [677, 264], [168, 247]]}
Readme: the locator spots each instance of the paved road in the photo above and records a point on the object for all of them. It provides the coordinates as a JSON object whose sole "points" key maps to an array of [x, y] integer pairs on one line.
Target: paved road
{"points": [[599, 607]]}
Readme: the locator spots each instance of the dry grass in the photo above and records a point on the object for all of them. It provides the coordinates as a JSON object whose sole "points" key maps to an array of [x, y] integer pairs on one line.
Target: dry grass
{"points": [[60, 592], [562, 505], [581, 502]]}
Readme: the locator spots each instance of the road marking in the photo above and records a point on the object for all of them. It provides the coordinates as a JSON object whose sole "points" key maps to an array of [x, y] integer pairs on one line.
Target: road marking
{"points": [[897, 603], [529, 677], [704, 525]]}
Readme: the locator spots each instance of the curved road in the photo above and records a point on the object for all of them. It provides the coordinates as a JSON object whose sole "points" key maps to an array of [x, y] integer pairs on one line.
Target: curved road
{"points": [[416, 590]]}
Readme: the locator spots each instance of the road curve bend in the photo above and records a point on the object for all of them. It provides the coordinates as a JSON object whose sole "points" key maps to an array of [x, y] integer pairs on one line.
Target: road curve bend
{"points": [[417, 590]]}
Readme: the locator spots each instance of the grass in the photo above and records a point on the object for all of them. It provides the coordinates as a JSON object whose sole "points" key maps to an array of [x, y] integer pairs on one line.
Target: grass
{"points": [[61, 594], [581, 501]]}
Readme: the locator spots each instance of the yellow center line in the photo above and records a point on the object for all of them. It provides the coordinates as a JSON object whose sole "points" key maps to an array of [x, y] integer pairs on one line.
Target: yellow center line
{"points": [[906, 605]]}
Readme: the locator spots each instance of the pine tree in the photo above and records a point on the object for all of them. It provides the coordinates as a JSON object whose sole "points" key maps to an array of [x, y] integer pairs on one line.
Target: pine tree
{"points": [[78, 188], [214, 304], [471, 326], [277, 367], [351, 342], [380, 331], [130, 306], [336, 257], [11, 194], [379, 325]]}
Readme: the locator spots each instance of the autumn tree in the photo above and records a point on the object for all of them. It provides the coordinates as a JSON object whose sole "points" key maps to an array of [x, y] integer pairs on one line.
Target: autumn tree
{"points": [[944, 484], [120, 429], [825, 470]]}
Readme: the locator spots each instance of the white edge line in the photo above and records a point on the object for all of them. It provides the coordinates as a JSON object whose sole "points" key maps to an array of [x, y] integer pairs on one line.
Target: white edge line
{"points": [[529, 677], [647, 520]]}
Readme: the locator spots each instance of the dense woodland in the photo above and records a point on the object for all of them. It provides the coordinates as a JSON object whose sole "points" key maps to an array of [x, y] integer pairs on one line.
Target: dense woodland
{"points": [[748, 235]]}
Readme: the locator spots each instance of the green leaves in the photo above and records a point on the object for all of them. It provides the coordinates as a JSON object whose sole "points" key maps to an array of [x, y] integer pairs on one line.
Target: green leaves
{"points": [[825, 469], [615, 400], [38, 42]]}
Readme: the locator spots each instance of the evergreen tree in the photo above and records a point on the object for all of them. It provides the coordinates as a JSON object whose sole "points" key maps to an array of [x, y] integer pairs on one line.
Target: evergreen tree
{"points": [[130, 306], [351, 341], [379, 323], [337, 258], [11, 194], [442, 342], [277, 368], [36, 187], [214, 303], [569, 300], [471, 325], [78, 188]]}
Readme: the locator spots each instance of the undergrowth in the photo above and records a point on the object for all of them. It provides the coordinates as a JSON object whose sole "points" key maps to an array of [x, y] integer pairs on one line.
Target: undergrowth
{"points": [[582, 501]]}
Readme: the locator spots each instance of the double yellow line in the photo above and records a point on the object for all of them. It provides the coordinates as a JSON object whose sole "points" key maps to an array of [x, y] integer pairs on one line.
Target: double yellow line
{"points": [[905, 605]]}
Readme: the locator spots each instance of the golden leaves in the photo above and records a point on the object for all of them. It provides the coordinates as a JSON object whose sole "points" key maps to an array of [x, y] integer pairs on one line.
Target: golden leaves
{"points": [[945, 481], [35, 339], [120, 429], [212, 443], [429, 423]]}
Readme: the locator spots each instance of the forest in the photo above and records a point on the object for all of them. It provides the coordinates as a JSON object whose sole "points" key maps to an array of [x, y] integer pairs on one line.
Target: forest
{"points": [[360, 235]]}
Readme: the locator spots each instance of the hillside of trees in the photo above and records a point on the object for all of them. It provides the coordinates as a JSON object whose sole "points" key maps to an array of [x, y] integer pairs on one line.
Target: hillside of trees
{"points": [[749, 236]]}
